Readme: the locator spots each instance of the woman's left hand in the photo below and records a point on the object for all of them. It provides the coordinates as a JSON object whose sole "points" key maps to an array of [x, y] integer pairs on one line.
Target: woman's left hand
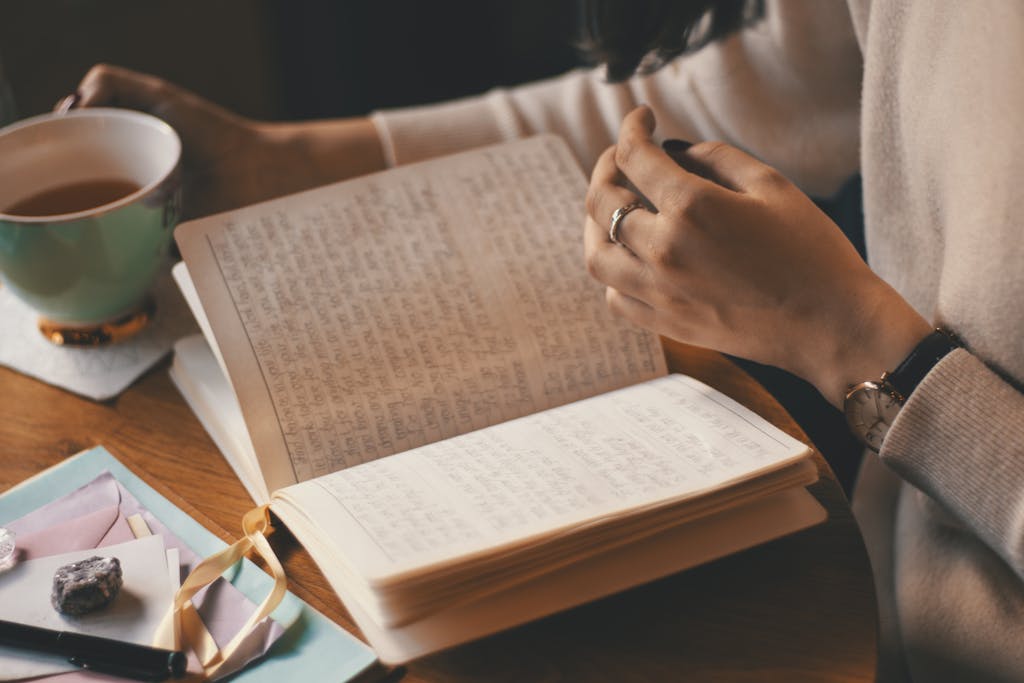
{"points": [[735, 258], [229, 160]]}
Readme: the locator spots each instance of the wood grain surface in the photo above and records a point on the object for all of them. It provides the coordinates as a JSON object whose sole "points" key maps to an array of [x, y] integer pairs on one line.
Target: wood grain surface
{"points": [[798, 609]]}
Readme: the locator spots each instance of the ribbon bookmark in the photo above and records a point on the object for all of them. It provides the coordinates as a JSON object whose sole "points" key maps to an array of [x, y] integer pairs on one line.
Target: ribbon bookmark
{"points": [[183, 617]]}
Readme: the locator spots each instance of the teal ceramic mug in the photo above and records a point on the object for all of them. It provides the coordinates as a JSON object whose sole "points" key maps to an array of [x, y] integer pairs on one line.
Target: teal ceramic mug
{"points": [[88, 203]]}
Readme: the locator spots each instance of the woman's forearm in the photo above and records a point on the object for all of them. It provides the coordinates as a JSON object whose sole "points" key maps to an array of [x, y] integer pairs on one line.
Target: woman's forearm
{"points": [[330, 149]]}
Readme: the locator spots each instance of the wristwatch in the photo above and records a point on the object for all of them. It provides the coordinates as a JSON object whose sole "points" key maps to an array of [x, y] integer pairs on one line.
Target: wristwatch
{"points": [[872, 406]]}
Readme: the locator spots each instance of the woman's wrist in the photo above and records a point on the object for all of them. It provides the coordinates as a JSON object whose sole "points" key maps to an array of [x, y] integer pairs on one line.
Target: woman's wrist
{"points": [[874, 339]]}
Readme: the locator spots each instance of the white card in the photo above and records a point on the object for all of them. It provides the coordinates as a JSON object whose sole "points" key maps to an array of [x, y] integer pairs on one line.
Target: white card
{"points": [[133, 615]]}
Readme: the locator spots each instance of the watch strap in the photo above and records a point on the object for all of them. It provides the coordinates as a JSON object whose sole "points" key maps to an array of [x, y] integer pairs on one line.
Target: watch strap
{"points": [[925, 356]]}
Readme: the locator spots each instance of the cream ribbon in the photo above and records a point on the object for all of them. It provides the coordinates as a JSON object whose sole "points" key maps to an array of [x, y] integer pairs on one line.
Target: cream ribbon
{"points": [[183, 619]]}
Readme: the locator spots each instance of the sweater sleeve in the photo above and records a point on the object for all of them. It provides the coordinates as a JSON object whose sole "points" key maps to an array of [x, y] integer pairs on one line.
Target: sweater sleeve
{"points": [[960, 439], [786, 89]]}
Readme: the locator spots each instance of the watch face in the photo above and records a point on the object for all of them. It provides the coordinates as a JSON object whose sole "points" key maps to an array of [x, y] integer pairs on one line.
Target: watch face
{"points": [[870, 410]]}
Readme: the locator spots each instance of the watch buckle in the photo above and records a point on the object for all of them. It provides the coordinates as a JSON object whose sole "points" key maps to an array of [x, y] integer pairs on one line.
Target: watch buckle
{"points": [[890, 388]]}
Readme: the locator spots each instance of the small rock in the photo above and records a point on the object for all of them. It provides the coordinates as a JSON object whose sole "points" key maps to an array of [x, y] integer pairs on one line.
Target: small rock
{"points": [[87, 585]]}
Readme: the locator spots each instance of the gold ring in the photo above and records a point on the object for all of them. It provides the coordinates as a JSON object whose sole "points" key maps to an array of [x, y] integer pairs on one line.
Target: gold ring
{"points": [[617, 216]]}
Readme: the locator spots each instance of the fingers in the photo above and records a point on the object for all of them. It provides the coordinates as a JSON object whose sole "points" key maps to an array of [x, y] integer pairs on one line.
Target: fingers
{"points": [[628, 279], [732, 167], [606, 195], [654, 173], [671, 180], [677, 150], [630, 308], [67, 104], [113, 85], [611, 264]]}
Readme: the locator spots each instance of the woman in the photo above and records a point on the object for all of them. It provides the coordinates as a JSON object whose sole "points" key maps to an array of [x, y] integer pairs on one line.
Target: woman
{"points": [[924, 99]]}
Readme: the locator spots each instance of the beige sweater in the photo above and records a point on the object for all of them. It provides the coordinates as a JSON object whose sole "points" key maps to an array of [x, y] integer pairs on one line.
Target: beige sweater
{"points": [[926, 99]]}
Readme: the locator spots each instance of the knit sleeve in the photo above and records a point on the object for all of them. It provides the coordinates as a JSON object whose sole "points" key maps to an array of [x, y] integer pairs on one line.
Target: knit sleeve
{"points": [[786, 89], [960, 439]]}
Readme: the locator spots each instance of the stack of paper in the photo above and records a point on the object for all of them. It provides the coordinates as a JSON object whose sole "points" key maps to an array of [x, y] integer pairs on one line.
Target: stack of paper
{"points": [[82, 507]]}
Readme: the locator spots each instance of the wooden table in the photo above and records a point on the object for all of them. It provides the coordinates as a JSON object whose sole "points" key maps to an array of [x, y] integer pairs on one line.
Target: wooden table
{"points": [[801, 608]]}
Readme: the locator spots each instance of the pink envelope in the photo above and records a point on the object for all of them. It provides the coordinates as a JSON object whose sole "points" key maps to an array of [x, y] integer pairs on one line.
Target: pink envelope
{"points": [[106, 526], [99, 494]]}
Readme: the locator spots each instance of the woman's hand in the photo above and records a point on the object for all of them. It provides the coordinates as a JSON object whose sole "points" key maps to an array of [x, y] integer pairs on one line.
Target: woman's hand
{"points": [[229, 160], [735, 258]]}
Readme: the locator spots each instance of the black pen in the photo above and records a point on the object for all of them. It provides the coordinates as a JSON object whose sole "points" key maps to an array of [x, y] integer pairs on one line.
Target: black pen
{"points": [[102, 655]]}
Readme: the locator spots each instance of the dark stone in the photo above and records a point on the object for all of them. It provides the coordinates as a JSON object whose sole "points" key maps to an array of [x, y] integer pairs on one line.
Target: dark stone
{"points": [[86, 585]]}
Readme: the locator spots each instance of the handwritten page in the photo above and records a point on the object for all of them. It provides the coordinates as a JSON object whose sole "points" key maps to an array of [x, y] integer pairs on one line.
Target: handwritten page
{"points": [[663, 440], [377, 315]]}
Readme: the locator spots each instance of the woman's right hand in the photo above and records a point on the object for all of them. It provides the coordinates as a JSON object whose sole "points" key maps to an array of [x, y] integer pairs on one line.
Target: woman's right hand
{"points": [[734, 257], [229, 160]]}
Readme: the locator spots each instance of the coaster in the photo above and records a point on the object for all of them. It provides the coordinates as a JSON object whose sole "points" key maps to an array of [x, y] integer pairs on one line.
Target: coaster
{"points": [[96, 372]]}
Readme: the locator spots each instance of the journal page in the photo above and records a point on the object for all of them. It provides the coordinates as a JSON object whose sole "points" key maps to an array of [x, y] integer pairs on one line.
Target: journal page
{"points": [[380, 314], [668, 440]]}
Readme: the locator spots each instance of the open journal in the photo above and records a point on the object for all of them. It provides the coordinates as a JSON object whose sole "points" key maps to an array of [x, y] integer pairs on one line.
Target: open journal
{"points": [[417, 373]]}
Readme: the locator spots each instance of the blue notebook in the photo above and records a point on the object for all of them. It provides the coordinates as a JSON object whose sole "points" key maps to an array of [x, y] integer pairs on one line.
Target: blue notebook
{"points": [[314, 648]]}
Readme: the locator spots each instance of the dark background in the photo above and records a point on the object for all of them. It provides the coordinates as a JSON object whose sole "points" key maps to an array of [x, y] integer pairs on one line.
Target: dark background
{"points": [[279, 59]]}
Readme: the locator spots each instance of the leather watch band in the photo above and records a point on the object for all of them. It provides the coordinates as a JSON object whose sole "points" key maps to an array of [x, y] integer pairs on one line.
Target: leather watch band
{"points": [[925, 356]]}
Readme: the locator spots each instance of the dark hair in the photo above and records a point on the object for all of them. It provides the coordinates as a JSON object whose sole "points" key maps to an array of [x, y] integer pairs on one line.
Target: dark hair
{"points": [[640, 36]]}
